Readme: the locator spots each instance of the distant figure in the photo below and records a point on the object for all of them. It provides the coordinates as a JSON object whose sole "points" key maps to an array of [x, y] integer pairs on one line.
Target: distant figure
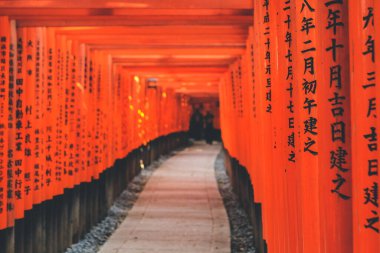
{"points": [[196, 125], [209, 128]]}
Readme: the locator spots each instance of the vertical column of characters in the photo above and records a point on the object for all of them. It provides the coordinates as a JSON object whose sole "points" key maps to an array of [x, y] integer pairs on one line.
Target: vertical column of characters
{"points": [[42, 148], [233, 83], [86, 115], [104, 100], [254, 77], [286, 24], [68, 155], [114, 107], [63, 109], [49, 114], [242, 75], [266, 43], [29, 114], [238, 114], [365, 176], [19, 162], [11, 124], [59, 130], [79, 107], [38, 120], [76, 110], [309, 132], [124, 112], [83, 112], [72, 168], [98, 106], [105, 103], [91, 115], [4, 102], [74, 87], [108, 115], [277, 96], [231, 106], [95, 131], [377, 59], [332, 68], [259, 101], [247, 89], [113, 142], [229, 109], [95, 104], [251, 110], [119, 109]]}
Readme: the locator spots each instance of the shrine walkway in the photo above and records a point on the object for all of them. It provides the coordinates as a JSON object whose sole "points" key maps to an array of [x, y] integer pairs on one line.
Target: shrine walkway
{"points": [[180, 209]]}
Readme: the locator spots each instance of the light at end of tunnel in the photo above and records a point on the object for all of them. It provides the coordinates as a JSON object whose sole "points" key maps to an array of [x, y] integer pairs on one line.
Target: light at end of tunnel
{"points": [[137, 79], [164, 95], [142, 166], [80, 86], [126, 4]]}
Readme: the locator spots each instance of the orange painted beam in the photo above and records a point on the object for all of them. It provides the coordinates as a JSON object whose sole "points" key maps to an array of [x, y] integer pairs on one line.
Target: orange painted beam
{"points": [[59, 12], [155, 30], [162, 4], [134, 20]]}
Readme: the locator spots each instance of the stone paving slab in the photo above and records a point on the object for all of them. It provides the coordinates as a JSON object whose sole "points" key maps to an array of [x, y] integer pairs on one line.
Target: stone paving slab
{"points": [[180, 209]]}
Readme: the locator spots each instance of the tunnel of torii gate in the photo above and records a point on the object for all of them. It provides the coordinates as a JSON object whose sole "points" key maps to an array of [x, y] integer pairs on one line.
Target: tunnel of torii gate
{"points": [[91, 92]]}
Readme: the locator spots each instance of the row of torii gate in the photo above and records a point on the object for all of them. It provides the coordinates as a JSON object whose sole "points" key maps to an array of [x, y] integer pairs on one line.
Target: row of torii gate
{"points": [[88, 87]]}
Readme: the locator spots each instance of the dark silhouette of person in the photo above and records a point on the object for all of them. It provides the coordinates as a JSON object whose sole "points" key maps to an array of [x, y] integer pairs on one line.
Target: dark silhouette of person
{"points": [[196, 125], [209, 127]]}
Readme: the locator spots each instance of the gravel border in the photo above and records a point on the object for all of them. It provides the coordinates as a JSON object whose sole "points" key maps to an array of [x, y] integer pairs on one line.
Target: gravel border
{"points": [[100, 233], [241, 230]]}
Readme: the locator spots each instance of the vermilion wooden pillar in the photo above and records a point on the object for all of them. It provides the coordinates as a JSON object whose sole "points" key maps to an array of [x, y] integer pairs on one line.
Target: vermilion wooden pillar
{"points": [[29, 111], [20, 122], [288, 127], [4, 116], [37, 167], [362, 31], [308, 89], [264, 109], [334, 125]]}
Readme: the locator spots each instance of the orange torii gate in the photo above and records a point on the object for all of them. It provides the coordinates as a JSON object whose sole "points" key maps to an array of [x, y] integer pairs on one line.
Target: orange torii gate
{"points": [[312, 120]]}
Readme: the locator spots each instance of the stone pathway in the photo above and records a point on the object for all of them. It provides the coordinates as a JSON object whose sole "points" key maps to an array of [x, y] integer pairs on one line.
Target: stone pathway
{"points": [[179, 211]]}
